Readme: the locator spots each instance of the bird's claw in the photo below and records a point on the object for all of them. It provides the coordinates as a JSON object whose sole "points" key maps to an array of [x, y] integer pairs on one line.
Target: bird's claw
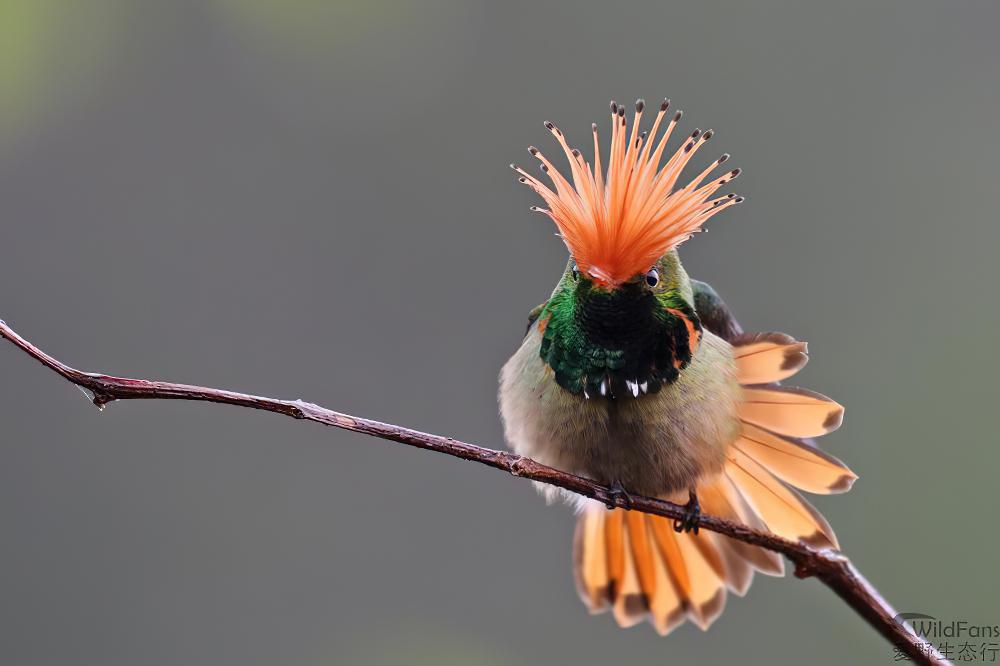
{"points": [[692, 515], [617, 492]]}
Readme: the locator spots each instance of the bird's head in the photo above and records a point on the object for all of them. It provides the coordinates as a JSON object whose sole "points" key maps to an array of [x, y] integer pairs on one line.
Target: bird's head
{"points": [[620, 322]]}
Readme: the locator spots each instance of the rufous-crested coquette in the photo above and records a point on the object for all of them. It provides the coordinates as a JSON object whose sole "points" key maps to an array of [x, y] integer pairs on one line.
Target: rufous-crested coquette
{"points": [[638, 377]]}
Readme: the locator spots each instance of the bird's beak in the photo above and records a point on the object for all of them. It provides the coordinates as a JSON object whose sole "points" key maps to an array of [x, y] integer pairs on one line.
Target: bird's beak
{"points": [[602, 280]]}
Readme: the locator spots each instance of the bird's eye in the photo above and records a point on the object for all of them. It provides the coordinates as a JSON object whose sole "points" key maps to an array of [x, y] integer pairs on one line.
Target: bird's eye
{"points": [[653, 277], [576, 273]]}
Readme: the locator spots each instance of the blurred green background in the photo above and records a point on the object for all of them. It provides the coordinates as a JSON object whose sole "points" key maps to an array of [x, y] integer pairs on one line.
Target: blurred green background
{"points": [[311, 199]]}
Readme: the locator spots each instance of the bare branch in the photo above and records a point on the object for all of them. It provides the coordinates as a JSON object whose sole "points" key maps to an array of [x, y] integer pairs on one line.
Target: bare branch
{"points": [[831, 567]]}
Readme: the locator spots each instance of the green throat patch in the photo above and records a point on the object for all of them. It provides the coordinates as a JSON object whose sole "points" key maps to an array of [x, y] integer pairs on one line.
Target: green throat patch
{"points": [[616, 343]]}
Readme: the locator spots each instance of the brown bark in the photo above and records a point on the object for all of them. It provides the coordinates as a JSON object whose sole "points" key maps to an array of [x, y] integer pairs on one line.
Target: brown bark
{"points": [[831, 567]]}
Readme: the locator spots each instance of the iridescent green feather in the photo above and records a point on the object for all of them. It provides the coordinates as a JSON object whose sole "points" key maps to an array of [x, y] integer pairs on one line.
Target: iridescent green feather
{"points": [[603, 342]]}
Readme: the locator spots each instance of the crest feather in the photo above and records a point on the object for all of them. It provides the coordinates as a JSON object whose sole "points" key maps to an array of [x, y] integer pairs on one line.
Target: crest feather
{"points": [[617, 223]]}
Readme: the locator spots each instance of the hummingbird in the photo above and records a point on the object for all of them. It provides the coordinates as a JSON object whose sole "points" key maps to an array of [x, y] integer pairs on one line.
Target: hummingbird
{"points": [[639, 377]]}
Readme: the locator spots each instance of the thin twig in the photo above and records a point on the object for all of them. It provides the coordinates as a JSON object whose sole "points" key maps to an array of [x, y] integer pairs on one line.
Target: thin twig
{"points": [[831, 567]]}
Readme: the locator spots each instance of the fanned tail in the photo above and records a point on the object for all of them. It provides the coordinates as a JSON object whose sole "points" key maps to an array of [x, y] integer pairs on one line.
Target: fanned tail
{"points": [[637, 566]]}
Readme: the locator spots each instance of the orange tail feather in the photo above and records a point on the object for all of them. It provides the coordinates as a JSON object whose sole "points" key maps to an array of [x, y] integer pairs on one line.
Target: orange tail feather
{"points": [[640, 568]]}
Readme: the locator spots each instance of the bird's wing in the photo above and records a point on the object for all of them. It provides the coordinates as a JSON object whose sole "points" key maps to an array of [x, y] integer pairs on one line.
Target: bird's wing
{"points": [[713, 312], [534, 314]]}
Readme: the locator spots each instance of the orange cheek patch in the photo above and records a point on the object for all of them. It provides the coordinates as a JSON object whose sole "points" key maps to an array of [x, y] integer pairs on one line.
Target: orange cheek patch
{"points": [[694, 334]]}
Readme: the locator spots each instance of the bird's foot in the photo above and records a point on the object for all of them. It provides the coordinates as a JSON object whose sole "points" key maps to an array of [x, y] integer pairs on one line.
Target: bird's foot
{"points": [[617, 492], [692, 515]]}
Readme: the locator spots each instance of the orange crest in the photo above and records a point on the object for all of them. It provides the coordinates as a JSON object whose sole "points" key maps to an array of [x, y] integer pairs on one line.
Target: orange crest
{"points": [[618, 224]]}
